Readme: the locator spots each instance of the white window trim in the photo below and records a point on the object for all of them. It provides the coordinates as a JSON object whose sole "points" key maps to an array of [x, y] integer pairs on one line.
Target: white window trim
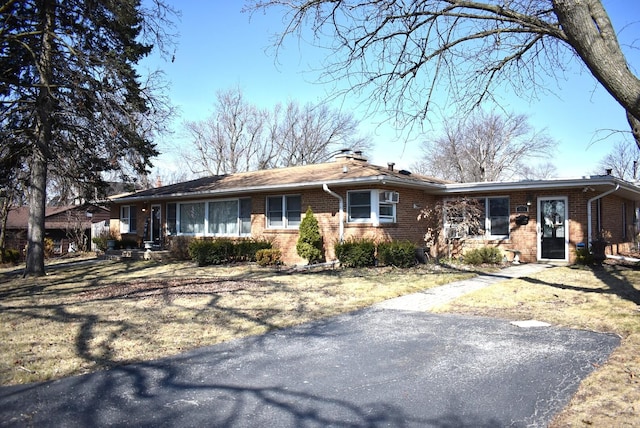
{"points": [[487, 219], [206, 219], [285, 220], [128, 228], [374, 215]]}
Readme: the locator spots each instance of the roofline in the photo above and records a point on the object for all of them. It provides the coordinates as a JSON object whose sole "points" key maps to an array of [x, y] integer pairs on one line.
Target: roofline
{"points": [[435, 188], [456, 188], [378, 179]]}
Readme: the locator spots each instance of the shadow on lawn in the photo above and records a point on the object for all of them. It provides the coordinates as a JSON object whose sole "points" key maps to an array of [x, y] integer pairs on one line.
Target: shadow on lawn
{"points": [[66, 301], [611, 276]]}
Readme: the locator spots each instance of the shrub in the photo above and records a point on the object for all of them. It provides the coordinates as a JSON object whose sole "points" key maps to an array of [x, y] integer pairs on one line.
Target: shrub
{"points": [[126, 244], [211, 252], [309, 245], [178, 247], [100, 241], [48, 247], [246, 249], [584, 256], [10, 255], [483, 255], [397, 253], [356, 253], [268, 257]]}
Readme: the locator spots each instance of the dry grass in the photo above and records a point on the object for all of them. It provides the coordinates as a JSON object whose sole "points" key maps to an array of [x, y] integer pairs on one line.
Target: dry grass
{"points": [[86, 317], [604, 299]]}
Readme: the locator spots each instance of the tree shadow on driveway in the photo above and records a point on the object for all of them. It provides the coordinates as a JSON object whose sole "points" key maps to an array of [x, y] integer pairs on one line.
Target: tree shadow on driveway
{"points": [[369, 368]]}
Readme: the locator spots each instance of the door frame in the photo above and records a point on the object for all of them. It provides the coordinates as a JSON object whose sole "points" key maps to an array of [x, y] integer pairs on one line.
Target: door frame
{"points": [[540, 221]]}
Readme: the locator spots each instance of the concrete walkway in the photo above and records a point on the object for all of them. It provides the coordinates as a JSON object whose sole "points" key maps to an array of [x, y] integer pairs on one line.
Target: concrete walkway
{"points": [[428, 299]]}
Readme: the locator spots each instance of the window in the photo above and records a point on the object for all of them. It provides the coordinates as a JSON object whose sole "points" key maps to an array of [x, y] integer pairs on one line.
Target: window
{"points": [[230, 217], [624, 221], [171, 219], [191, 218], [367, 206], [245, 216], [284, 212], [497, 218], [359, 206], [479, 217], [223, 217], [127, 219]]}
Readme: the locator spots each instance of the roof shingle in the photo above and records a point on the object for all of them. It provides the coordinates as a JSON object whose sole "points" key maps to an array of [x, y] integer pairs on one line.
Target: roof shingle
{"points": [[346, 171]]}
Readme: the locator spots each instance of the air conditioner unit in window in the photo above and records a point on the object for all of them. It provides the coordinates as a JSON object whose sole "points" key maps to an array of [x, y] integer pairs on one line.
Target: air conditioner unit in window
{"points": [[390, 197], [453, 232]]}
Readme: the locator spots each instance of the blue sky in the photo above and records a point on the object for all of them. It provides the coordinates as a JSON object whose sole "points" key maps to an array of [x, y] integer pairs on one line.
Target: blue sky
{"points": [[220, 48]]}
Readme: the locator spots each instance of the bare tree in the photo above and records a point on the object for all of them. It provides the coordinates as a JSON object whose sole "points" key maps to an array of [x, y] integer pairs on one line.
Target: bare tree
{"points": [[449, 223], [485, 147], [622, 161], [308, 134], [75, 230], [239, 136], [405, 50], [538, 171], [230, 139]]}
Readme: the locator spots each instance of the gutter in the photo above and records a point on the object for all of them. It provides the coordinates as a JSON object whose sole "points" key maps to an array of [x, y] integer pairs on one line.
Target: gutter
{"points": [[589, 215], [341, 209]]}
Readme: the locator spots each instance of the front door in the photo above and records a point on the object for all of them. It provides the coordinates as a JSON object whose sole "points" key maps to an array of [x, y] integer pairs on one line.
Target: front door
{"points": [[156, 224], [552, 228]]}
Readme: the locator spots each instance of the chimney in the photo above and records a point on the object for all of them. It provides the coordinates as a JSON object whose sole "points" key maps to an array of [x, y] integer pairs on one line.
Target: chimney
{"points": [[609, 171], [390, 165], [158, 181], [347, 155]]}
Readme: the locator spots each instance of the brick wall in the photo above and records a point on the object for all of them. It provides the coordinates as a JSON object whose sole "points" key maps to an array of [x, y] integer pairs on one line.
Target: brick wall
{"points": [[326, 210]]}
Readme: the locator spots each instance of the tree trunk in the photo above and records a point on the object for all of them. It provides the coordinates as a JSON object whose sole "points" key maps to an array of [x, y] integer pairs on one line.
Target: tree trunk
{"points": [[4, 215], [635, 128], [37, 199], [590, 33], [42, 137]]}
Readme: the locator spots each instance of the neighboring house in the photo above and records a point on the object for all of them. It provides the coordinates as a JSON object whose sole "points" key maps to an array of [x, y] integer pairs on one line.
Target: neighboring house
{"points": [[66, 226], [351, 198]]}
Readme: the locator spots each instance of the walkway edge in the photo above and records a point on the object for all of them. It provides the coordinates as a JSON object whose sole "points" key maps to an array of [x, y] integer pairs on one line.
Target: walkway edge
{"points": [[428, 299]]}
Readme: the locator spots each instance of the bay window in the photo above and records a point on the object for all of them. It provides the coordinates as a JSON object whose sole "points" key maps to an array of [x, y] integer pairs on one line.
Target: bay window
{"points": [[370, 206]]}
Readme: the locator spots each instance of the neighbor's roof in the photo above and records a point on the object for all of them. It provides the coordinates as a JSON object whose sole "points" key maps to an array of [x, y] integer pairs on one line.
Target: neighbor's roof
{"points": [[347, 171], [18, 217]]}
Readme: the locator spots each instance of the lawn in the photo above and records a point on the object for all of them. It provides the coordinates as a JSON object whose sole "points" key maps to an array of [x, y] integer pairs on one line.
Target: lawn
{"points": [[605, 299], [86, 317]]}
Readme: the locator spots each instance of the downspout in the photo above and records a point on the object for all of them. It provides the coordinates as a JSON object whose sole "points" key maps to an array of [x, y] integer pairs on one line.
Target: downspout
{"points": [[589, 228], [340, 207]]}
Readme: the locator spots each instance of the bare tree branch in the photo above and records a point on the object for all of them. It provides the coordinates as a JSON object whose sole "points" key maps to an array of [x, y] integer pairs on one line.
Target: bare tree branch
{"points": [[403, 52]]}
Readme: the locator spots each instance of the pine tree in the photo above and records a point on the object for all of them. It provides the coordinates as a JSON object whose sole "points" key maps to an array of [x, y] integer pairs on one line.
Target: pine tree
{"points": [[309, 245], [70, 92]]}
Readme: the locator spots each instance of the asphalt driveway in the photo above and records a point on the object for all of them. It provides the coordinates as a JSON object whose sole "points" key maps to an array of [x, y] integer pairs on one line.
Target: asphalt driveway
{"points": [[372, 368]]}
